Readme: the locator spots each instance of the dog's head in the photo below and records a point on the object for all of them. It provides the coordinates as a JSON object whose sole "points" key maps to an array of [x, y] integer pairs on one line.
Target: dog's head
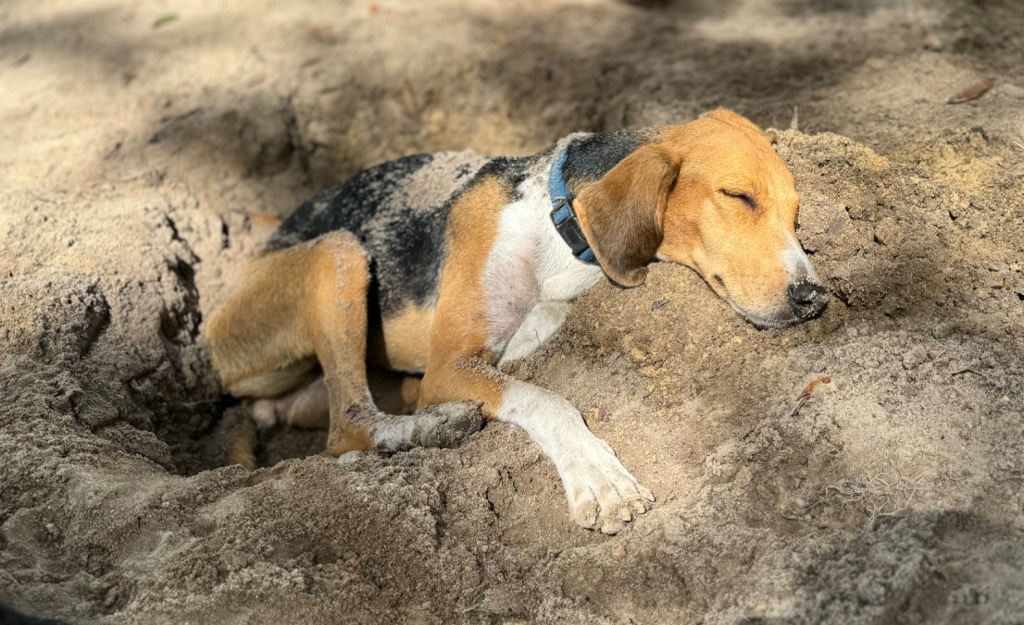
{"points": [[714, 196]]}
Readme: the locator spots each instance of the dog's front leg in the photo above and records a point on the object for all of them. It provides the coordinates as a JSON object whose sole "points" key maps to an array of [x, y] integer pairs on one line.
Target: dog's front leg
{"points": [[479, 304], [602, 494]]}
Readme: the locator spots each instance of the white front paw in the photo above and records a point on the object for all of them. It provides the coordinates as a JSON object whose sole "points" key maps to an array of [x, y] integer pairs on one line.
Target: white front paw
{"points": [[602, 494]]}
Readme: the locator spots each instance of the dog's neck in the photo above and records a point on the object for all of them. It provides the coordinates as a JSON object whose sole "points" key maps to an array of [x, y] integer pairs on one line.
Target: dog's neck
{"points": [[579, 160], [563, 215]]}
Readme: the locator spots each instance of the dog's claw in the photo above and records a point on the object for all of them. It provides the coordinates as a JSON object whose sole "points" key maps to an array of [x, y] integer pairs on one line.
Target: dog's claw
{"points": [[648, 496]]}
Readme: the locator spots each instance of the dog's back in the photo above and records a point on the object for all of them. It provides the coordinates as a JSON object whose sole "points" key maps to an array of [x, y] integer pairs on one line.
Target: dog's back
{"points": [[398, 211]]}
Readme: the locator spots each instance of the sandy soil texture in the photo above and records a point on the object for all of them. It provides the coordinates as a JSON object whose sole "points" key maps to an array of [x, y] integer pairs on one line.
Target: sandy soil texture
{"points": [[137, 137]]}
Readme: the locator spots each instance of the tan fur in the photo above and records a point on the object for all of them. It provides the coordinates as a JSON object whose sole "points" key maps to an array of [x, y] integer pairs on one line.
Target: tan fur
{"points": [[263, 221], [338, 274], [622, 214], [459, 366], [296, 304], [273, 382], [238, 432], [401, 344], [719, 235], [393, 392], [351, 437], [240, 452], [266, 305]]}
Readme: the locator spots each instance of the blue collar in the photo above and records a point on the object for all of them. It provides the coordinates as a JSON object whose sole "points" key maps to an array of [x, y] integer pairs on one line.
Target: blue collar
{"points": [[563, 216]]}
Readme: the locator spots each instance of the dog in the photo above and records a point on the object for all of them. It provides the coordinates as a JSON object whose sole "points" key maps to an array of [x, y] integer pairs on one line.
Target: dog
{"points": [[445, 266]]}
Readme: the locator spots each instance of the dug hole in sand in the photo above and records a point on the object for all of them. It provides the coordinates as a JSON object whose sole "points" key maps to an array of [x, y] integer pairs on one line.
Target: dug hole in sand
{"points": [[137, 138]]}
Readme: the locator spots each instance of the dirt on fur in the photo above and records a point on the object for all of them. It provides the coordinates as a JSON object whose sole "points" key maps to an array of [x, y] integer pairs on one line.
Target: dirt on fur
{"points": [[141, 141]]}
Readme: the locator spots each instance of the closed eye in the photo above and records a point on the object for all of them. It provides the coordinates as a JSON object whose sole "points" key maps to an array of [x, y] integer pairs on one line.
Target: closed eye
{"points": [[747, 199]]}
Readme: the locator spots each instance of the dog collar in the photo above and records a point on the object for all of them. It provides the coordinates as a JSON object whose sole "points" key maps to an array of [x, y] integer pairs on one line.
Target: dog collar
{"points": [[567, 224]]}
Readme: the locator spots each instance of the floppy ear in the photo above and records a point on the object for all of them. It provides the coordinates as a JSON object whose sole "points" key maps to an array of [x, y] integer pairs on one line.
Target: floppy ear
{"points": [[622, 213]]}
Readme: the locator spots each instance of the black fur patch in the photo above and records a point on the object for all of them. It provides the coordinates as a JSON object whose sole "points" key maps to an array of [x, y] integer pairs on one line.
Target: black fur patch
{"points": [[511, 169], [405, 244], [589, 158], [347, 205]]}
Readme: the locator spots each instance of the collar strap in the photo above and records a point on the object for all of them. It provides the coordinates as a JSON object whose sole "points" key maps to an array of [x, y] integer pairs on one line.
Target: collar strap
{"points": [[567, 224]]}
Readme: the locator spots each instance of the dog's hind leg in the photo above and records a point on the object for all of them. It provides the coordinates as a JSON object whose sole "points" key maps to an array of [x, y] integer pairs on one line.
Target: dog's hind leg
{"points": [[297, 306], [336, 319], [308, 304]]}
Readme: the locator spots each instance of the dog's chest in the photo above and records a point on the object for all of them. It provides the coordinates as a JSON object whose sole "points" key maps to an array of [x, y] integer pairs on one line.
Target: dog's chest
{"points": [[530, 275]]}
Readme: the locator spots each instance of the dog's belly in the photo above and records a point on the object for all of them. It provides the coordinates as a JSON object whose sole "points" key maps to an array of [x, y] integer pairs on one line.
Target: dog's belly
{"points": [[402, 341]]}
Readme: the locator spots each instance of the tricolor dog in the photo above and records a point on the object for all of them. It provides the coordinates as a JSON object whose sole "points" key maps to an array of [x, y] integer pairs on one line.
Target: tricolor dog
{"points": [[445, 266]]}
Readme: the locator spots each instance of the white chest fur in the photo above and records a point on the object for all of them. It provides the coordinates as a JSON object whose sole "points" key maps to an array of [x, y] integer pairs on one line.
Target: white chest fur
{"points": [[531, 274]]}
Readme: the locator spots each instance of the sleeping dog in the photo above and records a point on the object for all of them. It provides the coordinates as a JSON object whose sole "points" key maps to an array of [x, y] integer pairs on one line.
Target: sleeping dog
{"points": [[445, 266]]}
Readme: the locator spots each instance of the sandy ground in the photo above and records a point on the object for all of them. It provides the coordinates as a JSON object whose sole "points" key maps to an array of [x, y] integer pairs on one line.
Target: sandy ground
{"points": [[136, 136]]}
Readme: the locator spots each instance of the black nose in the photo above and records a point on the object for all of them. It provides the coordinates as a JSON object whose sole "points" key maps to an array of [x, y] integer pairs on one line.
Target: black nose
{"points": [[807, 298]]}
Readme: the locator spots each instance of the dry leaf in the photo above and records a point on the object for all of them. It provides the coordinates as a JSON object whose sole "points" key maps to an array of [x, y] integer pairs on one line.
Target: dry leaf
{"points": [[805, 395], [973, 92], [165, 19], [813, 385]]}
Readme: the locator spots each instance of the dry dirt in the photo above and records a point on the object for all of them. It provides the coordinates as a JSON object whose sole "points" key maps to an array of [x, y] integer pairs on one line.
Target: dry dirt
{"points": [[136, 136]]}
